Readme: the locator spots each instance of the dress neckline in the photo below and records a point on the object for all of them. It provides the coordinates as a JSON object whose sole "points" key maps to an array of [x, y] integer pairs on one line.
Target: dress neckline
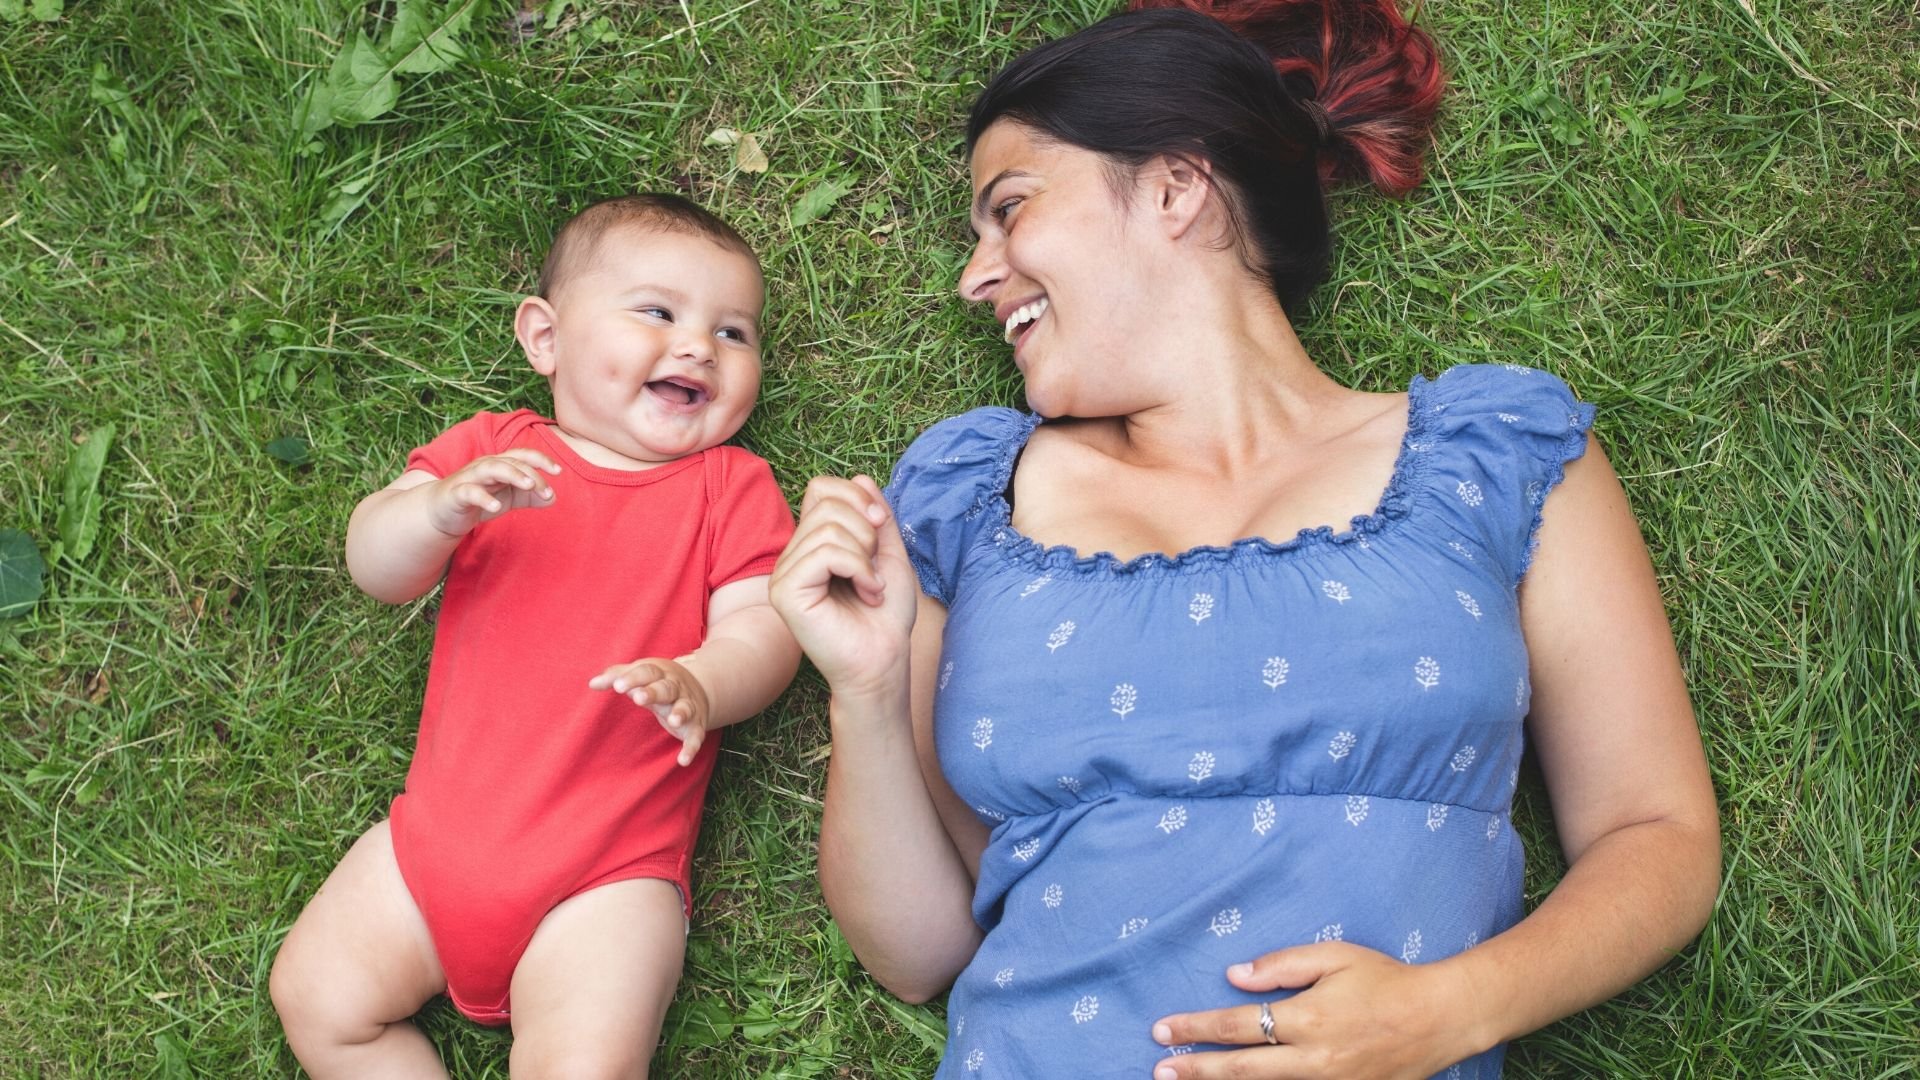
{"points": [[1409, 467]]}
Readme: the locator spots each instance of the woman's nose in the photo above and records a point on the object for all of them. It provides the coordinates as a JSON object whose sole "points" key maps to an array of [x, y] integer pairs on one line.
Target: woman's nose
{"points": [[983, 273]]}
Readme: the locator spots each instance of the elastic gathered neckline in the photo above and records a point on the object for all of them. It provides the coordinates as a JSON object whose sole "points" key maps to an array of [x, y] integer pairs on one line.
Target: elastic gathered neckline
{"points": [[1409, 470]]}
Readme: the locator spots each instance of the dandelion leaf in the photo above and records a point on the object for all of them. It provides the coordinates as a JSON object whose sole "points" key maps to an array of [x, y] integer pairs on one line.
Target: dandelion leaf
{"points": [[422, 45], [22, 573], [80, 495], [819, 199]]}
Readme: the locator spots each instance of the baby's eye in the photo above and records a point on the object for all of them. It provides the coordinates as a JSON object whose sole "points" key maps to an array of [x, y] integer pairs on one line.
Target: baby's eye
{"points": [[734, 333], [658, 312]]}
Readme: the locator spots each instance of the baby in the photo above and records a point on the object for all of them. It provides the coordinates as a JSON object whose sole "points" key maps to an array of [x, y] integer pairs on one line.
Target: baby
{"points": [[539, 854]]}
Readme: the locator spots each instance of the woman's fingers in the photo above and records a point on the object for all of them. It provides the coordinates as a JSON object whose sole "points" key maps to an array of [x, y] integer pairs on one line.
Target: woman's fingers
{"points": [[1294, 968], [813, 562], [1265, 1062], [1239, 1025]]}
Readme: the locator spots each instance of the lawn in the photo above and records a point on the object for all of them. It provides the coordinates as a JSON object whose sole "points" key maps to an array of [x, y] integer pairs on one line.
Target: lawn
{"points": [[271, 279]]}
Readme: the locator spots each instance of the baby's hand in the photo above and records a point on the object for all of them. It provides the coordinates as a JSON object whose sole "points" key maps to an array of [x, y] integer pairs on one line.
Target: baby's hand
{"points": [[487, 487], [670, 690]]}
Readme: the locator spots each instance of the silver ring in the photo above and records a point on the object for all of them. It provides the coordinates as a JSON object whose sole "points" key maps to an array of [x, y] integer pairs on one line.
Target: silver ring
{"points": [[1266, 1024]]}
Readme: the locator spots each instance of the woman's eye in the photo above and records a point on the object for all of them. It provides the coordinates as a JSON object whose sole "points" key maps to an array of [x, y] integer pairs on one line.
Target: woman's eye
{"points": [[1003, 208]]}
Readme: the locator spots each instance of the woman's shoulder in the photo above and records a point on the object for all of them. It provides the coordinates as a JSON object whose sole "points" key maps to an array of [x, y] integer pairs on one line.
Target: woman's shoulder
{"points": [[943, 485], [1522, 399], [974, 436]]}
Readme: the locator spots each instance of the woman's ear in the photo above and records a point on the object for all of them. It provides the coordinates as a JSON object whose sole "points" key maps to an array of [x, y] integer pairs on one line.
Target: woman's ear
{"points": [[534, 324], [1181, 189]]}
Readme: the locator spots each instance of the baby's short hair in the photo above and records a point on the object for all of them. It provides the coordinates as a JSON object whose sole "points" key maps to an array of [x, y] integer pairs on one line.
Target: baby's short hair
{"points": [[574, 245]]}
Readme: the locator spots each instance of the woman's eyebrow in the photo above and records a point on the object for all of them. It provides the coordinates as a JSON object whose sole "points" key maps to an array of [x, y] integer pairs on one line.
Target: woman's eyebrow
{"points": [[986, 193]]}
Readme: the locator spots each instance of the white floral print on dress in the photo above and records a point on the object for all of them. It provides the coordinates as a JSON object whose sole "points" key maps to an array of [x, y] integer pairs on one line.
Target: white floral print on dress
{"points": [[1069, 784], [1460, 550], [1426, 672], [1410, 951], [946, 674], [1436, 816], [976, 1058], [1200, 608], [983, 732], [1341, 746], [1224, 923], [1036, 585], [1463, 759], [1061, 635], [1173, 820], [1469, 493], [1336, 591], [1003, 978], [1263, 816], [1471, 605], [1025, 850], [1053, 896], [1330, 932], [1123, 699], [1132, 927], [1274, 672], [1357, 807], [1086, 1009], [1200, 767]]}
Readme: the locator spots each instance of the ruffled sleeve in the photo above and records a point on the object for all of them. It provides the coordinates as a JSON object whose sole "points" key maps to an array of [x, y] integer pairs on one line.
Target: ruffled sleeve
{"points": [[1502, 437], [940, 488]]}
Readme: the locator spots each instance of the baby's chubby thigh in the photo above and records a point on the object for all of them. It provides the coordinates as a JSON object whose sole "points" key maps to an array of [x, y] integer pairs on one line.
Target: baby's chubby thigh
{"points": [[592, 989], [358, 961]]}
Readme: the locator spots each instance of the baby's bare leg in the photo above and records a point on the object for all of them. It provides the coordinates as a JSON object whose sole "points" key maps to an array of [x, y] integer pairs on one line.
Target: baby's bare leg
{"points": [[592, 989], [357, 963]]}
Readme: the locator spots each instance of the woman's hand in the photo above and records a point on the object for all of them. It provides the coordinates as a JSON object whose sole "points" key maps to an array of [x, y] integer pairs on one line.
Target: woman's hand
{"points": [[845, 588], [1359, 1015]]}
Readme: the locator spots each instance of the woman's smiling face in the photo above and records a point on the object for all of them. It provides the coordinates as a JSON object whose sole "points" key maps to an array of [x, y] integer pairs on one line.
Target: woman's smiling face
{"points": [[1066, 267]]}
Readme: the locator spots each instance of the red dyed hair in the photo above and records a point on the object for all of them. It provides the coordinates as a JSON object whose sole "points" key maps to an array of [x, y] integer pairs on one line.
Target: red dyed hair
{"points": [[1377, 76]]}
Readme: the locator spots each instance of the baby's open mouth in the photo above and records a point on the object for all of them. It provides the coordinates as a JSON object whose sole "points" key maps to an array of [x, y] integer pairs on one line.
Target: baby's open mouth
{"points": [[679, 391]]}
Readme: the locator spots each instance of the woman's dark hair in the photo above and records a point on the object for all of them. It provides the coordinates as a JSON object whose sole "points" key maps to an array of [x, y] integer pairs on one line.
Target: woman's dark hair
{"points": [[1277, 97]]}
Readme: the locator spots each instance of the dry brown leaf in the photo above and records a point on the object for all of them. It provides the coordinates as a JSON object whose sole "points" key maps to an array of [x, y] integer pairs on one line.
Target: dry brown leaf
{"points": [[747, 155]]}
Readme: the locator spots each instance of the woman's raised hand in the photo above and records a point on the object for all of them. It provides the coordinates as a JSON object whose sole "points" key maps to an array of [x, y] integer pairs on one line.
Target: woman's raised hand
{"points": [[845, 588]]}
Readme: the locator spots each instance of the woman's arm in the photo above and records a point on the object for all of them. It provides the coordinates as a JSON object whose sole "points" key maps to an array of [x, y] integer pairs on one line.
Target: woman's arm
{"points": [[898, 883], [1618, 746], [1634, 805], [896, 873]]}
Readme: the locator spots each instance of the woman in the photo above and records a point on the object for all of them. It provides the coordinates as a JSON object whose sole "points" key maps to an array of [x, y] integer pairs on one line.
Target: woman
{"points": [[1240, 810]]}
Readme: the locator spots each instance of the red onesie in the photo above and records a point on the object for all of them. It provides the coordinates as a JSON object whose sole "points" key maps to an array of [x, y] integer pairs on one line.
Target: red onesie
{"points": [[527, 788]]}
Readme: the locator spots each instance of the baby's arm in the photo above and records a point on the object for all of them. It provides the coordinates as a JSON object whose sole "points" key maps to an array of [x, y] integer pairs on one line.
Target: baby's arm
{"points": [[400, 537], [747, 659]]}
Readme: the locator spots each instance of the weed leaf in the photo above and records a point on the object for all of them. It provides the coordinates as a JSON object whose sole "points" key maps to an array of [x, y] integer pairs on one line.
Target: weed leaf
{"points": [[22, 573], [80, 495], [819, 199], [419, 47], [107, 89], [747, 155], [291, 449]]}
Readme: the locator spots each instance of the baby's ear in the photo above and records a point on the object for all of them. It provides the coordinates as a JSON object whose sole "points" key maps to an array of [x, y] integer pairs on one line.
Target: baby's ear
{"points": [[534, 325]]}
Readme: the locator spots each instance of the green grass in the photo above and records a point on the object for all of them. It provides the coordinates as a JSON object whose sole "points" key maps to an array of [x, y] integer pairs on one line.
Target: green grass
{"points": [[1715, 243]]}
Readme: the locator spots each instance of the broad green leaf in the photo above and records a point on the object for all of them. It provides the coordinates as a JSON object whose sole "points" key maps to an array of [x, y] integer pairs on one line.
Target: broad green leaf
{"points": [[48, 10], [13, 10], [419, 46], [364, 90], [22, 573], [291, 449], [80, 495], [173, 1061], [917, 1020], [107, 89], [698, 1023], [819, 199]]}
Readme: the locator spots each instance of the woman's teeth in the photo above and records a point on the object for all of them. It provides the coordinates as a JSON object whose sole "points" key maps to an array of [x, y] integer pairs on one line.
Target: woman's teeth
{"points": [[1026, 314]]}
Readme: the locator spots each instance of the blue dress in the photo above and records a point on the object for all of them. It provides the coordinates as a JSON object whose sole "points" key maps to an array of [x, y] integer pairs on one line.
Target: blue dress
{"points": [[1188, 761]]}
